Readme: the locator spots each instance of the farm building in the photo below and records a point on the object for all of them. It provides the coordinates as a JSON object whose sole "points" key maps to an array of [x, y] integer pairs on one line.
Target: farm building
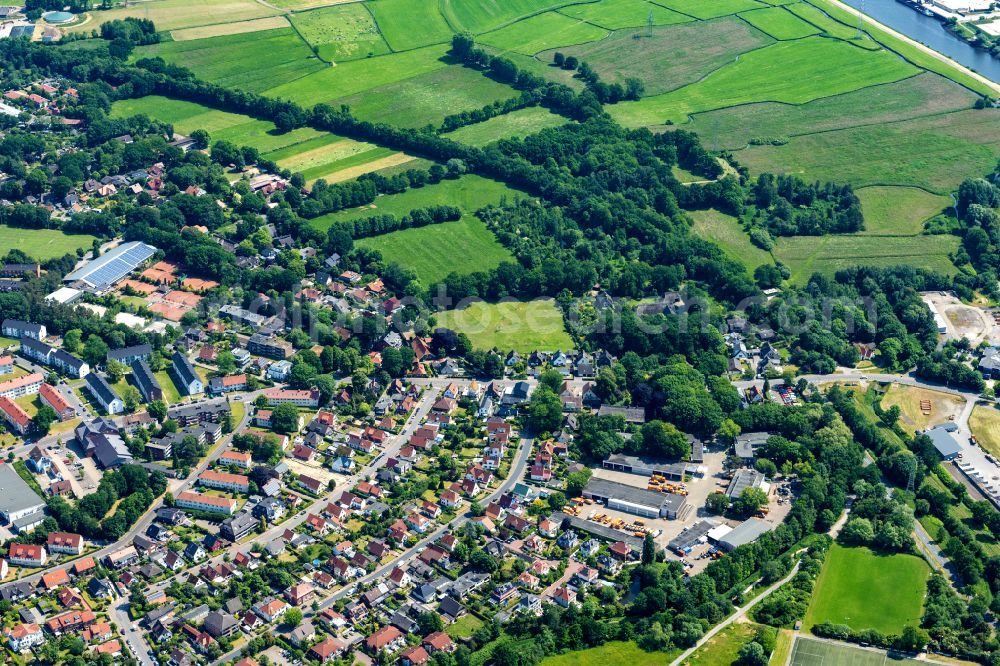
{"points": [[943, 439], [637, 501]]}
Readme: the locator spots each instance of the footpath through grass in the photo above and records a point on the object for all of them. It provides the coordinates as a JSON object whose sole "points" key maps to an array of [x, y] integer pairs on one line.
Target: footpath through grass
{"points": [[865, 590]]}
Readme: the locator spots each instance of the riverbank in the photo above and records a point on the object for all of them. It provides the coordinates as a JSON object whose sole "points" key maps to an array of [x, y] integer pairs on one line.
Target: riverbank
{"points": [[983, 84]]}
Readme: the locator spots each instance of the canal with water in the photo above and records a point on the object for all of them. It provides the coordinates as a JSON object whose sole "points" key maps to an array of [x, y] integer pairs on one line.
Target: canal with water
{"points": [[930, 31]]}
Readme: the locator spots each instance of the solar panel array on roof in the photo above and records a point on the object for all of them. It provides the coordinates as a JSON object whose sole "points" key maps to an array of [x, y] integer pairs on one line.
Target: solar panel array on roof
{"points": [[107, 270]]}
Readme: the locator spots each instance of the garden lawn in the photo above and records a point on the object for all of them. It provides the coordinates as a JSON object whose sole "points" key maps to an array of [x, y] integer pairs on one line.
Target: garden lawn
{"points": [[793, 72], [518, 123], [805, 255], [779, 23], [432, 252], [510, 325], [176, 14], [934, 152], [985, 425], [706, 10], [478, 16], [427, 98], [465, 626], [926, 94], [409, 24], [251, 61], [726, 232], [898, 211], [673, 56], [617, 14], [170, 393], [866, 590], [42, 244], [355, 76], [341, 32], [545, 31], [613, 653]]}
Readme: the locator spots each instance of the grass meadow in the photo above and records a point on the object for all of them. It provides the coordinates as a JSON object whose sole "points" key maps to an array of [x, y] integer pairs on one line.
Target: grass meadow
{"points": [[544, 31], [613, 653], [723, 648], [223, 29], [250, 61], [618, 14], [866, 590], [327, 155], [341, 32], [518, 123], [792, 72], [409, 24], [779, 23], [673, 56], [521, 326], [177, 14], [706, 10], [985, 425], [898, 211], [830, 27], [42, 244], [477, 16], [726, 232]]}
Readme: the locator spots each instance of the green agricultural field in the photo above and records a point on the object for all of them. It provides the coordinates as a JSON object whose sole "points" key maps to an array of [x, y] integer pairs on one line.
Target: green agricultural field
{"points": [[221, 125], [545, 31], [805, 255], [477, 16], [42, 244], [432, 252], [793, 72], [327, 155], [238, 28], [250, 61], [427, 98], [934, 152], [811, 652], [409, 24], [922, 95], [779, 23], [176, 14], [613, 653], [521, 326], [829, 26], [866, 590], [299, 5], [672, 57], [898, 211], [355, 76], [617, 14], [469, 193], [341, 32], [706, 10], [726, 232], [518, 123]]}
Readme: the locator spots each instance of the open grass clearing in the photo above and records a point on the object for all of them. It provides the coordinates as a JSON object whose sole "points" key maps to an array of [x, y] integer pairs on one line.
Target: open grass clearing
{"points": [[341, 32], [42, 244], [427, 98], [935, 152], [867, 590], [355, 76], [909, 399], [922, 95], [985, 425], [618, 14], [898, 211], [409, 24], [250, 61], [177, 14], [706, 10], [723, 648], [793, 72], [805, 255], [673, 56], [544, 31], [812, 652], [522, 326], [432, 252], [221, 30], [613, 653], [518, 124], [726, 232], [478, 16], [779, 23]]}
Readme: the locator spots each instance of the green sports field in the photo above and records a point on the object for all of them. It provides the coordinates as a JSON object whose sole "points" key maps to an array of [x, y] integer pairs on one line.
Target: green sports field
{"points": [[519, 326], [42, 244], [515, 124], [341, 32], [865, 590], [814, 652]]}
